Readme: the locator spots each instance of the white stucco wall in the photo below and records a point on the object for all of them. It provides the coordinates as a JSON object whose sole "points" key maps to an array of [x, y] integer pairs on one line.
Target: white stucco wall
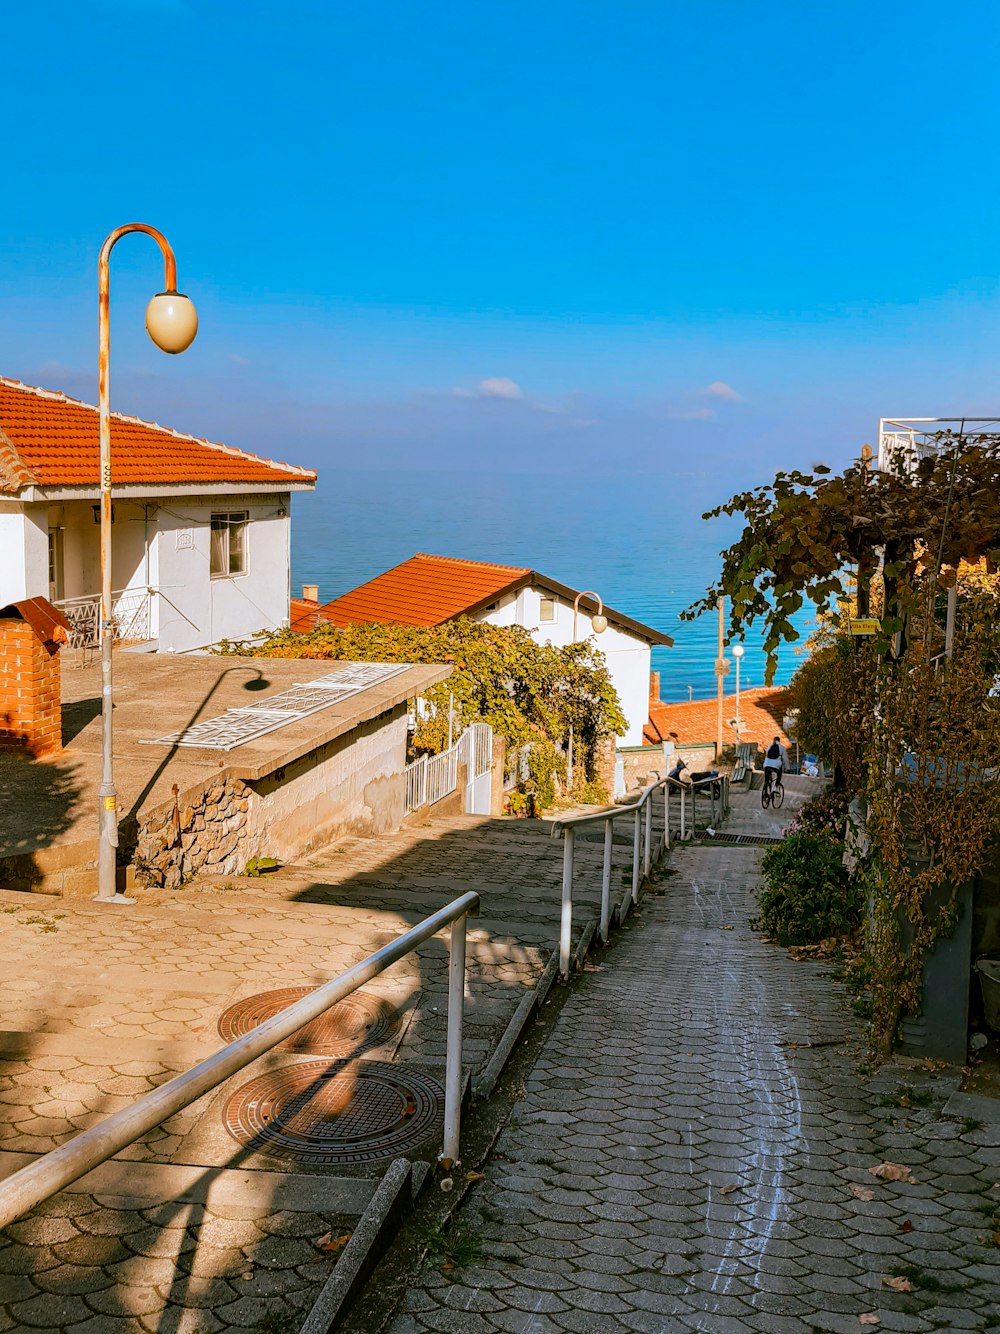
{"points": [[627, 656], [195, 610], [24, 551]]}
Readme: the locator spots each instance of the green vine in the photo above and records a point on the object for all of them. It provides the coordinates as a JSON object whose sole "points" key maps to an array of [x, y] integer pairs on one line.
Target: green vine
{"points": [[530, 693]]}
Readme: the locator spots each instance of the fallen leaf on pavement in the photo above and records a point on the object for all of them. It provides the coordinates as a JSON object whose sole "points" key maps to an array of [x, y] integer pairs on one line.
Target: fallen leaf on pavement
{"points": [[593, 968], [996, 1238], [906, 1226], [474, 1176], [869, 1318], [862, 1193], [898, 1284], [331, 1244], [727, 928], [728, 1190], [893, 1172]]}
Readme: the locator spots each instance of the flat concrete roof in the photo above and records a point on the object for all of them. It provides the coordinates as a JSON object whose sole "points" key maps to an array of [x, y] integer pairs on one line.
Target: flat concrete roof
{"points": [[53, 801]]}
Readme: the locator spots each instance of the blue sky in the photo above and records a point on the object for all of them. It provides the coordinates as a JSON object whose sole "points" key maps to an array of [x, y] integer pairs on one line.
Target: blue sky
{"points": [[713, 236]]}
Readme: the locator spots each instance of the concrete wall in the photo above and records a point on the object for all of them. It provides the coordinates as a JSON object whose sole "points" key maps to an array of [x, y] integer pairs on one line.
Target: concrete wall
{"points": [[195, 610], [354, 785], [134, 524], [24, 552], [627, 657]]}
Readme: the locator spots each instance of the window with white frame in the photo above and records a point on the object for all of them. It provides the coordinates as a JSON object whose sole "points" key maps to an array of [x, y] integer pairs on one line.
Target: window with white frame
{"points": [[229, 543], [546, 609]]}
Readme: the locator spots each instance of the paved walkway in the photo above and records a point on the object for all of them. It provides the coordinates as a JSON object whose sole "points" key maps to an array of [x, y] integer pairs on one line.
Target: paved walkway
{"points": [[188, 1231], [685, 1160]]}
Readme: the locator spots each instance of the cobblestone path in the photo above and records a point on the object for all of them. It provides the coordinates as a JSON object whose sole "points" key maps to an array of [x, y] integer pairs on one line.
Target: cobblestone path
{"points": [[683, 1160], [186, 1232]]}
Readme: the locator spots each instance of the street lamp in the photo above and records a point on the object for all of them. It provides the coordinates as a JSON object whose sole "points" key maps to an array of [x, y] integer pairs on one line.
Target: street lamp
{"points": [[598, 624], [738, 651], [171, 322]]}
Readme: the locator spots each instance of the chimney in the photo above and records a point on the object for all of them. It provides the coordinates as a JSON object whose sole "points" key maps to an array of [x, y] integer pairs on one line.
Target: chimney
{"points": [[654, 687], [31, 633], [310, 592]]}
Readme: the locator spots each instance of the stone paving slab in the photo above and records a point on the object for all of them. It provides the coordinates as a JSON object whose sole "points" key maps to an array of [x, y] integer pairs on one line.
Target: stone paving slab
{"points": [[681, 1161], [100, 1004]]}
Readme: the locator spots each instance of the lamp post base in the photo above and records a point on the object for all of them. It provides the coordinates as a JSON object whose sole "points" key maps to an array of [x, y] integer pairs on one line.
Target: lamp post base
{"points": [[115, 898]]}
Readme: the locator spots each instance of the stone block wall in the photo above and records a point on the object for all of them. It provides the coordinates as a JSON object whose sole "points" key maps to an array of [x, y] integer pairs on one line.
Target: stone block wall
{"points": [[207, 832], [354, 784], [30, 708]]}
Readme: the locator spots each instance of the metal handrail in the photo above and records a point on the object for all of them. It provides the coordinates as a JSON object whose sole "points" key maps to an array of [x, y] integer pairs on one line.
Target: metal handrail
{"points": [[61, 1167], [641, 809]]}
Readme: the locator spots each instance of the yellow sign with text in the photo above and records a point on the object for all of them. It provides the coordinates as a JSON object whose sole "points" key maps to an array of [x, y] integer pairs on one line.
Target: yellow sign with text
{"points": [[864, 626]]}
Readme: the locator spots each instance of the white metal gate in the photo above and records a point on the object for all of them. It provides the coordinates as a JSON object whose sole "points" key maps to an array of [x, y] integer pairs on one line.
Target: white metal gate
{"points": [[476, 750], [432, 777]]}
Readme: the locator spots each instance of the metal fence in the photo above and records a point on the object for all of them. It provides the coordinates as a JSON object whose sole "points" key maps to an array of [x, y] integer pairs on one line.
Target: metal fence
{"points": [[432, 777], [131, 617]]}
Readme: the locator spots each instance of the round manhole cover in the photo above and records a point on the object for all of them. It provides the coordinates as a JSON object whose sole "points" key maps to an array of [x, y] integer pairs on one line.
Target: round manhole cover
{"points": [[318, 1113], [351, 1027]]}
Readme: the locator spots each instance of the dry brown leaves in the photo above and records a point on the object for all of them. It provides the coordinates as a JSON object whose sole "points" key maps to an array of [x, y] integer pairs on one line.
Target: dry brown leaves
{"points": [[898, 1284], [893, 1172]]}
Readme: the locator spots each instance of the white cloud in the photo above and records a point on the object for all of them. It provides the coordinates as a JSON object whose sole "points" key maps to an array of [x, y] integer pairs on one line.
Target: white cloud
{"points": [[719, 389], [239, 360], [499, 386]]}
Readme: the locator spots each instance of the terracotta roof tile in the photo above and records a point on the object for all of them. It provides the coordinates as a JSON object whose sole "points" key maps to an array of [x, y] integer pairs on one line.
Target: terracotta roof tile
{"points": [[696, 720], [428, 590], [424, 590], [50, 440]]}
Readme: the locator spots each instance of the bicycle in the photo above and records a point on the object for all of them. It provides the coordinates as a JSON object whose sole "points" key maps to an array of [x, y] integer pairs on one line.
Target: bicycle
{"points": [[772, 793]]}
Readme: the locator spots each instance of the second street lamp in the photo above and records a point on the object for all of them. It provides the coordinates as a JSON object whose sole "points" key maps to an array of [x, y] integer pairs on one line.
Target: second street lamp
{"points": [[738, 651], [171, 322]]}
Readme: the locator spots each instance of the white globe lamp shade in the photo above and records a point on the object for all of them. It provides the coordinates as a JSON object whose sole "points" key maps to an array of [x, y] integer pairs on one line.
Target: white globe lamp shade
{"points": [[738, 650], [171, 321], [599, 624]]}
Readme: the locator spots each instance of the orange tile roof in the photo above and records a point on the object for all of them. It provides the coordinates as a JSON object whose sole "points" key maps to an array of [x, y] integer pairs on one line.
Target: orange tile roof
{"points": [[304, 614], [428, 590], [424, 590], [696, 720], [49, 440]]}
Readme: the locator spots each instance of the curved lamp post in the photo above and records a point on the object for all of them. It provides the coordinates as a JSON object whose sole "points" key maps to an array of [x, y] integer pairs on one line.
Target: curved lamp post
{"points": [[598, 624], [738, 651], [171, 322]]}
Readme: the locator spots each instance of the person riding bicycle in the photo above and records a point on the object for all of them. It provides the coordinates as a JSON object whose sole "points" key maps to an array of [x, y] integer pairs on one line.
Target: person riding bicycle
{"points": [[774, 764]]}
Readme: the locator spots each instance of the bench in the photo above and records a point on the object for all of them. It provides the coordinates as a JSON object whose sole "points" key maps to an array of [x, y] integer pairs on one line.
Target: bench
{"points": [[746, 755]]}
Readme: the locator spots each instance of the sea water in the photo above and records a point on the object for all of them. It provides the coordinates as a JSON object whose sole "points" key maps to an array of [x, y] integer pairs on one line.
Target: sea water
{"points": [[639, 542]]}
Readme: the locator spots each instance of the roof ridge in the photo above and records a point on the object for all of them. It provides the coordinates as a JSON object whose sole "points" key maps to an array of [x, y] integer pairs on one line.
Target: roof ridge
{"points": [[59, 397], [464, 560]]}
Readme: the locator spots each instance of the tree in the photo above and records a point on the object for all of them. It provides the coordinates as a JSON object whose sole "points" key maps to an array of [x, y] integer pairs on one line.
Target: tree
{"points": [[807, 534]]}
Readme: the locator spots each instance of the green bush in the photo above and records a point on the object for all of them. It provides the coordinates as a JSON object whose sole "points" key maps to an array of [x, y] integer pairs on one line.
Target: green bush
{"points": [[807, 894], [824, 814]]}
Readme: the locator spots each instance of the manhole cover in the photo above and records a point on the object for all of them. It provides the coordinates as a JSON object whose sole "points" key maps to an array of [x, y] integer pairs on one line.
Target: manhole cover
{"points": [[740, 841], [316, 1113], [352, 1026]]}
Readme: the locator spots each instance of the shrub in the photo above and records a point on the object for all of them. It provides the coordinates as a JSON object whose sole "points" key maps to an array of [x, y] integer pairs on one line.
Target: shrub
{"points": [[824, 814], [807, 893]]}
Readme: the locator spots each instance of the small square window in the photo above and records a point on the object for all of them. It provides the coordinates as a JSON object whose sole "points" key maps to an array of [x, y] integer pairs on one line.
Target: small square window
{"points": [[547, 609], [229, 544]]}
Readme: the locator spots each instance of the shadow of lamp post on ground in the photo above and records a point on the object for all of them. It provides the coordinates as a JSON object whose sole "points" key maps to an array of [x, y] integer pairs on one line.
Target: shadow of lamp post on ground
{"points": [[171, 322]]}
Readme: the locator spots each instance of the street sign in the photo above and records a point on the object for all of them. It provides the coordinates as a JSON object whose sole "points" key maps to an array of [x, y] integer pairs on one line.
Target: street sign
{"points": [[722, 666], [864, 625]]}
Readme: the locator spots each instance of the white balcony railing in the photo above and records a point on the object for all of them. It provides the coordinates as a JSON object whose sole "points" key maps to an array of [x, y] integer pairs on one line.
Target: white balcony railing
{"points": [[131, 615]]}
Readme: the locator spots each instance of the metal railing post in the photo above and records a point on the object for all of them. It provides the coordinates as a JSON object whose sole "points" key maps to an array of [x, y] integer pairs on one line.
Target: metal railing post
{"points": [[636, 854], [451, 1150], [647, 854], [683, 813], [566, 921], [609, 830]]}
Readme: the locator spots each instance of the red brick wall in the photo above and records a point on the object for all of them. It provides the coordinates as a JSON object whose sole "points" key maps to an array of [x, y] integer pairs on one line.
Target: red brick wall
{"points": [[30, 708]]}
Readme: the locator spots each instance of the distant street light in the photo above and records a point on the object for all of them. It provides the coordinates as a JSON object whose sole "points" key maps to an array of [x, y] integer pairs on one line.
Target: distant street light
{"points": [[171, 322], [598, 625], [738, 651]]}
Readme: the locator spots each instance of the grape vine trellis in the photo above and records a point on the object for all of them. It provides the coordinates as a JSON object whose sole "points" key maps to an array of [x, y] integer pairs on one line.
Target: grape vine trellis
{"points": [[915, 733]]}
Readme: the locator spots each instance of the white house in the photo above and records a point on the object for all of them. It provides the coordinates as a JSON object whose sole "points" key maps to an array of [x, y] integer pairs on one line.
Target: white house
{"points": [[201, 531], [427, 590]]}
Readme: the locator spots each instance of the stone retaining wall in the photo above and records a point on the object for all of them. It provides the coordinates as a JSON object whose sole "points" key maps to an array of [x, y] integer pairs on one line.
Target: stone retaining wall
{"points": [[210, 835]]}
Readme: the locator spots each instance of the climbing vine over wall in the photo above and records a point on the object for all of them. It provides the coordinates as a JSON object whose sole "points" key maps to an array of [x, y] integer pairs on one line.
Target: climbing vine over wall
{"points": [[528, 692]]}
